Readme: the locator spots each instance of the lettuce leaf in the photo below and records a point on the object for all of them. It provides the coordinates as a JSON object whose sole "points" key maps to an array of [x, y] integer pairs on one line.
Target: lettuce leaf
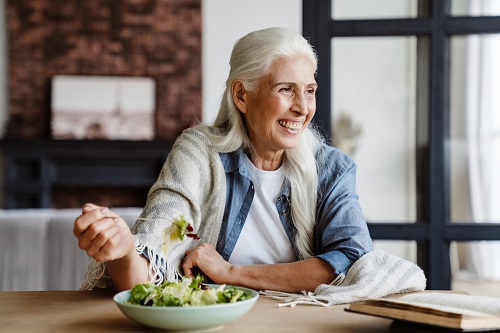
{"points": [[186, 292]]}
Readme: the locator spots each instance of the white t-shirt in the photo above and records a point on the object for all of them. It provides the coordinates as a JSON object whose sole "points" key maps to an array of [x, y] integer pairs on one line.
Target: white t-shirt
{"points": [[263, 239]]}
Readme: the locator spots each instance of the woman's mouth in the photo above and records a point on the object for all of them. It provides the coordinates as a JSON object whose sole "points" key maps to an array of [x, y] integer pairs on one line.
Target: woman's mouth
{"points": [[290, 125]]}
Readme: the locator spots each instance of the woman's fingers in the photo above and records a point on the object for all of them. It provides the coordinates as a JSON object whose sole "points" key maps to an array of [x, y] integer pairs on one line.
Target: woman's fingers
{"points": [[102, 233], [116, 246], [190, 261], [88, 207], [208, 260], [97, 234], [88, 217]]}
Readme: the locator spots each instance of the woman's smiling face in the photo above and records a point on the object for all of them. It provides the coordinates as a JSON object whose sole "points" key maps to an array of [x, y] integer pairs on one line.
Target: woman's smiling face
{"points": [[281, 107]]}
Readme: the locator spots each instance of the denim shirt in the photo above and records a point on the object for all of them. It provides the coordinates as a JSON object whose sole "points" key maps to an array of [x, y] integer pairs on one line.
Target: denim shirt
{"points": [[341, 235]]}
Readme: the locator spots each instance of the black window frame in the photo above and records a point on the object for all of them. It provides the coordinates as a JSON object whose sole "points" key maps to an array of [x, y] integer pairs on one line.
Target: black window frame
{"points": [[434, 26]]}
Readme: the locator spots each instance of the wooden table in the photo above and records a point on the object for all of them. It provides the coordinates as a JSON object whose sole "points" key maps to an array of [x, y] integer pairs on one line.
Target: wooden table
{"points": [[95, 311]]}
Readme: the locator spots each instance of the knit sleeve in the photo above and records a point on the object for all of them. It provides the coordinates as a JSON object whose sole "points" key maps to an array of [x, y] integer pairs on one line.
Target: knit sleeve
{"points": [[191, 183]]}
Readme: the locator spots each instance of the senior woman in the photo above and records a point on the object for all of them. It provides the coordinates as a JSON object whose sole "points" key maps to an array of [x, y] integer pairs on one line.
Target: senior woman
{"points": [[274, 206]]}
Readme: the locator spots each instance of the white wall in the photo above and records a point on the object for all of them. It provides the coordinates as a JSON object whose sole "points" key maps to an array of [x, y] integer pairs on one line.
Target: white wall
{"points": [[224, 22]]}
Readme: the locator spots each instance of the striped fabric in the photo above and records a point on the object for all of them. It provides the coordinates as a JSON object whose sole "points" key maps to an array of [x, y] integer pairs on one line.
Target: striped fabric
{"points": [[376, 274], [192, 183]]}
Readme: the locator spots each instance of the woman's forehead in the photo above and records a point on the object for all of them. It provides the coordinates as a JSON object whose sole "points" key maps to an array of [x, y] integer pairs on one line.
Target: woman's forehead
{"points": [[296, 69]]}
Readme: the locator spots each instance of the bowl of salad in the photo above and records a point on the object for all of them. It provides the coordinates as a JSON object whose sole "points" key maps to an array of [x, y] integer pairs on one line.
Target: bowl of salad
{"points": [[185, 305]]}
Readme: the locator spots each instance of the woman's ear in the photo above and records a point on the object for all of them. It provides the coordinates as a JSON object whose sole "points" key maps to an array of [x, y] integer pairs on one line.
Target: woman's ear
{"points": [[239, 94]]}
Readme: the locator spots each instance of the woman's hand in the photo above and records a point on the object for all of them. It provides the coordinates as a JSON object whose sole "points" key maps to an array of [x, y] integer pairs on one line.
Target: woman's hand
{"points": [[207, 259], [103, 234], [106, 237]]}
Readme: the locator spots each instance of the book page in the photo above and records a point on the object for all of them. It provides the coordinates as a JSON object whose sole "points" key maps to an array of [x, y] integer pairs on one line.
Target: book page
{"points": [[471, 305]]}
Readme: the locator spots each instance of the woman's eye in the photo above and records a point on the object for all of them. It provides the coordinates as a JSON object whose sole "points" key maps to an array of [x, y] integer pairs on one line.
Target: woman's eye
{"points": [[285, 90], [311, 92]]}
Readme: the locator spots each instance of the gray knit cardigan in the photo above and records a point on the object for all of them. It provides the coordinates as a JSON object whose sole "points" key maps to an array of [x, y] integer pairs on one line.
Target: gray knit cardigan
{"points": [[192, 183]]}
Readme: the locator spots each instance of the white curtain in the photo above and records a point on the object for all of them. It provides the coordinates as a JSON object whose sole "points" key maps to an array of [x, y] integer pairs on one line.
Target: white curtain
{"points": [[38, 250], [483, 145]]}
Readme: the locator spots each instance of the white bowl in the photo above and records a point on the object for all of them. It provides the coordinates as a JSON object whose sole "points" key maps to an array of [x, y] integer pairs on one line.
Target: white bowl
{"points": [[192, 318]]}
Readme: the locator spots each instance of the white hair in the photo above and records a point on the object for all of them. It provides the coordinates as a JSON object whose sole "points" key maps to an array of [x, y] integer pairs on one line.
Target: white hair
{"points": [[251, 60]]}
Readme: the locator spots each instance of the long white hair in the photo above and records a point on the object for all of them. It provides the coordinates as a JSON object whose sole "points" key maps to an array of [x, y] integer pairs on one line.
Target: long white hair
{"points": [[251, 60]]}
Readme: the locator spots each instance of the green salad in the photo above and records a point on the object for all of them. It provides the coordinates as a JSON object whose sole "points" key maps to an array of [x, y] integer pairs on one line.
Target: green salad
{"points": [[186, 292]]}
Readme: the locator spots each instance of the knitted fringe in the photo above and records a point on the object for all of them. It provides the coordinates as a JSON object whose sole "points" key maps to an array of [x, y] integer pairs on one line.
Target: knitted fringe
{"points": [[97, 276]]}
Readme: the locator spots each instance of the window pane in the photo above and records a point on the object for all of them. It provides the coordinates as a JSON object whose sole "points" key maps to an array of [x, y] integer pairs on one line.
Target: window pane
{"points": [[373, 103], [403, 249], [475, 269], [475, 128], [373, 9], [475, 7]]}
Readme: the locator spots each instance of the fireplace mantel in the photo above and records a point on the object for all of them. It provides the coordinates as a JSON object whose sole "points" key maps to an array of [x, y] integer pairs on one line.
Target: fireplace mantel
{"points": [[33, 169]]}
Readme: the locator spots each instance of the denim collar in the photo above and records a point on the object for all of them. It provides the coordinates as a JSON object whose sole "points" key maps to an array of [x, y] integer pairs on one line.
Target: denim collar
{"points": [[235, 162]]}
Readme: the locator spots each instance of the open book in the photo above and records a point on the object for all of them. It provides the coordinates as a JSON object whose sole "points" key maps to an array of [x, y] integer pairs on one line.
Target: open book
{"points": [[444, 309]]}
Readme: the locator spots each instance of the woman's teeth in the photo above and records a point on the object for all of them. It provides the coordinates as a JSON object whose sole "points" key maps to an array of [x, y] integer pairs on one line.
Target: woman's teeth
{"points": [[292, 126]]}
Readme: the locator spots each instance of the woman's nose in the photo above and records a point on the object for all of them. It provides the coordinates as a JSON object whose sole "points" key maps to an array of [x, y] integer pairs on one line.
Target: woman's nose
{"points": [[300, 104]]}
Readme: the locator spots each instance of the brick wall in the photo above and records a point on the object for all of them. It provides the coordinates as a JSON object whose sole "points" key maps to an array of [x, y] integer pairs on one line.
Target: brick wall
{"points": [[155, 38]]}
